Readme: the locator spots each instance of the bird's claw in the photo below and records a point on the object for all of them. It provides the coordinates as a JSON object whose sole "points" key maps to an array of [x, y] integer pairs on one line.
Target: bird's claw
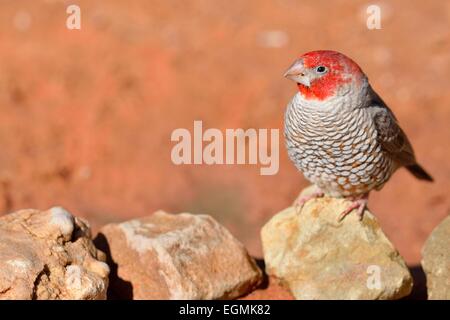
{"points": [[301, 200], [359, 204]]}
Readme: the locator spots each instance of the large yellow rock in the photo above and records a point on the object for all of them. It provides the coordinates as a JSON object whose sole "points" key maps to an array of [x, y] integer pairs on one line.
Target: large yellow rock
{"points": [[317, 257]]}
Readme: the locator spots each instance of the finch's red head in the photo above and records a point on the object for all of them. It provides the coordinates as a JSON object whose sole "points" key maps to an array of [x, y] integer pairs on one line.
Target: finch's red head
{"points": [[320, 74]]}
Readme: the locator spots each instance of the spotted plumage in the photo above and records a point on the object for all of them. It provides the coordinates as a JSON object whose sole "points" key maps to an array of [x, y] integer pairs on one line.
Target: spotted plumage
{"points": [[339, 132]]}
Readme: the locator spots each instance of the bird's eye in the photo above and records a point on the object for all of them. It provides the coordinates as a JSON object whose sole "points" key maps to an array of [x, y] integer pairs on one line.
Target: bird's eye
{"points": [[321, 69]]}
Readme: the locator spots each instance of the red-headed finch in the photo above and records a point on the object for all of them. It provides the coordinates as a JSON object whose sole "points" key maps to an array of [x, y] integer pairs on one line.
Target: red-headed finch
{"points": [[340, 133]]}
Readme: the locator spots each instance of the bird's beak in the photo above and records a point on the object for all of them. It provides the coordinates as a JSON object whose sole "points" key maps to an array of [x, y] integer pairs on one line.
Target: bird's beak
{"points": [[298, 73]]}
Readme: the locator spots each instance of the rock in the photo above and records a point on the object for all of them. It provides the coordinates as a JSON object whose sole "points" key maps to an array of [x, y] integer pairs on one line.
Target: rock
{"points": [[49, 255], [436, 261], [317, 257], [176, 256], [270, 290]]}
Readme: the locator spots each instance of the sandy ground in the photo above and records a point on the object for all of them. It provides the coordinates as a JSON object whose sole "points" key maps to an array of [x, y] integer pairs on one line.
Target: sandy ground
{"points": [[86, 115]]}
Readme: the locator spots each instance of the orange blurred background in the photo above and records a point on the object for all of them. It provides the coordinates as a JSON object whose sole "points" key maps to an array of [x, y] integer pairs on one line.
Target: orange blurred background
{"points": [[86, 115]]}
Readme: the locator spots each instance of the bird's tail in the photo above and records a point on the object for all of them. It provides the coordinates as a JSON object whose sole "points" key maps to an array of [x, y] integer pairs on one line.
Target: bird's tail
{"points": [[419, 172]]}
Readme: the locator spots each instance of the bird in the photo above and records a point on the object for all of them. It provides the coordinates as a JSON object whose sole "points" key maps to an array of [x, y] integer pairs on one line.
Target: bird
{"points": [[339, 132]]}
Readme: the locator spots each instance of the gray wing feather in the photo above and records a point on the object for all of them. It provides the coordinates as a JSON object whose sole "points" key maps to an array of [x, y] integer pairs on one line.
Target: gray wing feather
{"points": [[389, 134]]}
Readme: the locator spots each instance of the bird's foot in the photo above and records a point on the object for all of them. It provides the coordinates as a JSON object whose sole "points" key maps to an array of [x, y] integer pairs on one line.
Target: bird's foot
{"points": [[359, 203], [301, 200]]}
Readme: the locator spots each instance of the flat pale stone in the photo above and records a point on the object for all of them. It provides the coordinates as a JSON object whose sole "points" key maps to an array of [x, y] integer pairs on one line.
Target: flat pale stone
{"points": [[436, 261], [177, 256], [49, 255], [317, 257]]}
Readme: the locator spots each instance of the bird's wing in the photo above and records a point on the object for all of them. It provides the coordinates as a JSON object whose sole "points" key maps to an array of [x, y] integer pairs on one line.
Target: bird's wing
{"points": [[389, 134]]}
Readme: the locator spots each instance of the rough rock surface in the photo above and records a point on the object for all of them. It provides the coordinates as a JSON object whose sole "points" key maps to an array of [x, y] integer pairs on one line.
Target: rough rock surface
{"points": [[317, 257], [176, 256], [436, 261], [49, 255]]}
